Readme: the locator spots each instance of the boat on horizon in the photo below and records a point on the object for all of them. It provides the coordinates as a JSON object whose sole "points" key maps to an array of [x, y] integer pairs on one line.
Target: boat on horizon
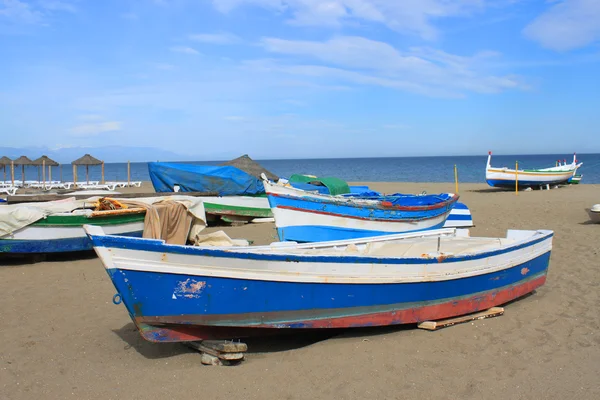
{"points": [[176, 293], [508, 178]]}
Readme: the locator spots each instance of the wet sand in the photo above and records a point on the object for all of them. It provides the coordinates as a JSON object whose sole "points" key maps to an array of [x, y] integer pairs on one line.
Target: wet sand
{"points": [[62, 337]]}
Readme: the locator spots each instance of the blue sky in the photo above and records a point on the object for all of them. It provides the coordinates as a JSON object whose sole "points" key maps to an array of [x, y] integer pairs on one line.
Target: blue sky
{"points": [[302, 78]]}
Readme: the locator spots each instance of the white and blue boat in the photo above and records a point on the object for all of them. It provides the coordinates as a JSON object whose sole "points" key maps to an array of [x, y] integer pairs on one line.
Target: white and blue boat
{"points": [[303, 216], [509, 178], [176, 293], [460, 217]]}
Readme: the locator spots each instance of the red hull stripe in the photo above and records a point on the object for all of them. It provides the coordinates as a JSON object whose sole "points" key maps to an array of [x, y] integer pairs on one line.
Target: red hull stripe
{"points": [[445, 203], [453, 308]]}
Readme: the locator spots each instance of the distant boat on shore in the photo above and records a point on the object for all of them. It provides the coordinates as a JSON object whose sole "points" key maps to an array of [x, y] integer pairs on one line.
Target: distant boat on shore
{"points": [[508, 178]]}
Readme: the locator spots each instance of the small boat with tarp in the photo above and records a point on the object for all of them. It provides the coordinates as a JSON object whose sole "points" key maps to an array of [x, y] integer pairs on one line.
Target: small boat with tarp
{"points": [[304, 216], [237, 183], [57, 226], [176, 293]]}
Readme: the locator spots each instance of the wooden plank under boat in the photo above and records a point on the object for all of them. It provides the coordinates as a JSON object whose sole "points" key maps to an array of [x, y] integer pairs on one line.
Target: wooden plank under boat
{"points": [[186, 293]]}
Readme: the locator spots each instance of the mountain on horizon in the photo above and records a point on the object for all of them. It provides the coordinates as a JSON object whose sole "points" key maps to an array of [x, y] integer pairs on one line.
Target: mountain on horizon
{"points": [[109, 154]]}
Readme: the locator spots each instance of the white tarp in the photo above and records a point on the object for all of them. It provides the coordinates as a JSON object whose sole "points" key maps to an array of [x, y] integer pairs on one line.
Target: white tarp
{"points": [[17, 216]]}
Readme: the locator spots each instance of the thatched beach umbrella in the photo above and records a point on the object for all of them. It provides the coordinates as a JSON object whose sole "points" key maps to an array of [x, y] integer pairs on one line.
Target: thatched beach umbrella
{"points": [[45, 161], [22, 161], [251, 167], [86, 160], [4, 162]]}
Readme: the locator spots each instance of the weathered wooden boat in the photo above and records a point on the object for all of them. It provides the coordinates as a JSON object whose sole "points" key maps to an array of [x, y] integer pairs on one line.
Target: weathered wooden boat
{"points": [[186, 293], [508, 178], [594, 213], [576, 179], [63, 232], [303, 216], [237, 183]]}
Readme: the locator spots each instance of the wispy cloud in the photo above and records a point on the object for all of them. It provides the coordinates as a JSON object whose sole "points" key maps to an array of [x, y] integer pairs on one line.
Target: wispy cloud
{"points": [[185, 50], [93, 129], [20, 12], [30, 13], [404, 16], [363, 61], [216, 38], [567, 25]]}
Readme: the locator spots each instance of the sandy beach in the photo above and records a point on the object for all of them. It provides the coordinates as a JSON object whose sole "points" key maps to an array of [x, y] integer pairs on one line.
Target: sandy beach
{"points": [[62, 337]]}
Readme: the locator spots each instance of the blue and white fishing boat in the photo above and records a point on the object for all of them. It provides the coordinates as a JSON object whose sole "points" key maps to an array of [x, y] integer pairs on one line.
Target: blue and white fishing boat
{"points": [[177, 293], [303, 216]]}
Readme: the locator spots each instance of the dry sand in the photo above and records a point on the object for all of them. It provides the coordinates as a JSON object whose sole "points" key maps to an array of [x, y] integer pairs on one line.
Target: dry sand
{"points": [[61, 336]]}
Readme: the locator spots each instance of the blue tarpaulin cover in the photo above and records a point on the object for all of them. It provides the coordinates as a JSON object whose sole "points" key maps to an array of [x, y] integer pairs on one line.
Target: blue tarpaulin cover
{"points": [[225, 180]]}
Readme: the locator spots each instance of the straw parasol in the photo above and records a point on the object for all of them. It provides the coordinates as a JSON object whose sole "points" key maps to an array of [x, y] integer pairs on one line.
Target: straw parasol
{"points": [[45, 161], [86, 160], [22, 161], [5, 161], [251, 167]]}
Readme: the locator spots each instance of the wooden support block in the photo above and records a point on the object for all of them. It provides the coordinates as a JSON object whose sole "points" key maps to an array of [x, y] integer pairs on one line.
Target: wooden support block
{"points": [[220, 352], [435, 325], [207, 359], [226, 346]]}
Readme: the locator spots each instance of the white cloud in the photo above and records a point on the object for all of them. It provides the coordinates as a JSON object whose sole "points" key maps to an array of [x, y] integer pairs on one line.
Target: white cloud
{"points": [[216, 38], [567, 25], [185, 50], [19, 11], [411, 16], [367, 62], [93, 129]]}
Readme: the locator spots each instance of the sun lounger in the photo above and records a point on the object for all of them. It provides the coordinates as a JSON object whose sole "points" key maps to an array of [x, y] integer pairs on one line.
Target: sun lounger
{"points": [[10, 190]]}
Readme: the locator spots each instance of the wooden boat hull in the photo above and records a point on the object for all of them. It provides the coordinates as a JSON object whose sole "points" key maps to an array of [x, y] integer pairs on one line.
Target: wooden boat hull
{"points": [[242, 206], [184, 293], [258, 207], [58, 234], [575, 179], [509, 178], [306, 217]]}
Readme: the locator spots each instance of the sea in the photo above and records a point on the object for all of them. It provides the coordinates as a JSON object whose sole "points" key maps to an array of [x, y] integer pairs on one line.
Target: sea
{"points": [[471, 169]]}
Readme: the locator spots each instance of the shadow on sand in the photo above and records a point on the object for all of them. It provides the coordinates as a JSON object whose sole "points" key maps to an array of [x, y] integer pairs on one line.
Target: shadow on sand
{"points": [[26, 259], [278, 342]]}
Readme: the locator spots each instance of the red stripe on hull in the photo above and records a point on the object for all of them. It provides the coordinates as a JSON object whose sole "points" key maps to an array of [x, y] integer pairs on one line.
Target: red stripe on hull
{"points": [[381, 206], [406, 220], [186, 333]]}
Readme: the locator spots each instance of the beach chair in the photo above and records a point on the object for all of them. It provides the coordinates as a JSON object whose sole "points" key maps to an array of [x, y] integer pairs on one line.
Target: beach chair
{"points": [[10, 190], [116, 183]]}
